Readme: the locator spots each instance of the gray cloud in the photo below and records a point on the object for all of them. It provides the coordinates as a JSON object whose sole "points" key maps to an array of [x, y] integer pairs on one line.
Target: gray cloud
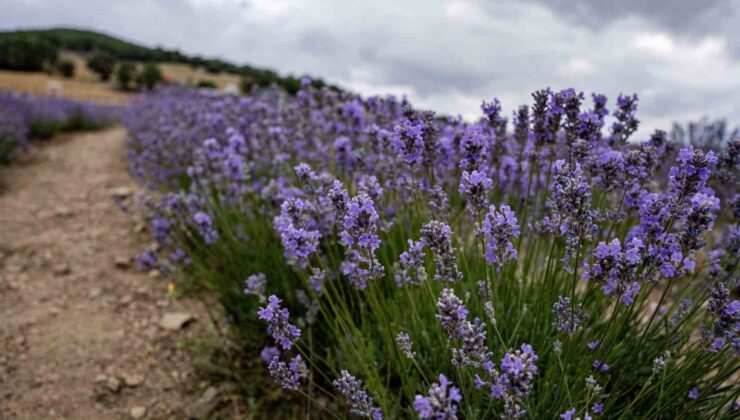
{"points": [[448, 55]]}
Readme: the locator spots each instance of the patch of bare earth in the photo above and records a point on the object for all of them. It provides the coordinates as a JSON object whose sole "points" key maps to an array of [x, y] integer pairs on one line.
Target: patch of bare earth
{"points": [[80, 327]]}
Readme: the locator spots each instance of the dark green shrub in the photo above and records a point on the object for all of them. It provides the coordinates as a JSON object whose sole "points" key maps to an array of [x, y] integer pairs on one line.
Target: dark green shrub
{"points": [[102, 63], [126, 74], [206, 83], [26, 52], [150, 75], [66, 68]]}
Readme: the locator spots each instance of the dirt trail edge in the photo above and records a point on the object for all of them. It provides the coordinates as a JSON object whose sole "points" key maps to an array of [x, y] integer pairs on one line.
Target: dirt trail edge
{"points": [[83, 334]]}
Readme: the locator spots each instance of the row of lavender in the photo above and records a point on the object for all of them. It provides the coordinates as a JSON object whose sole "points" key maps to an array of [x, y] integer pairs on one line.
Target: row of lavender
{"points": [[26, 118], [411, 265]]}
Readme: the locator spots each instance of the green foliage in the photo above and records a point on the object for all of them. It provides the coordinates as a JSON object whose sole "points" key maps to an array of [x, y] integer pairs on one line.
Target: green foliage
{"points": [[150, 75], [102, 63], [207, 83], [8, 144], [126, 74], [26, 52], [66, 68]]}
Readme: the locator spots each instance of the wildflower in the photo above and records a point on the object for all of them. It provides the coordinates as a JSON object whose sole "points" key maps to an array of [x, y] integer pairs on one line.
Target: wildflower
{"points": [[147, 260], [205, 227], [474, 187], [408, 141], [441, 401], [499, 228], [593, 345], [691, 174], [725, 327], [360, 403], [592, 386], [410, 268], [268, 353], [438, 236], [519, 368], [490, 312], [361, 240], [568, 415], [473, 148], [597, 408], [317, 279], [693, 393], [288, 375], [284, 333], [625, 123], [294, 226], [451, 312], [255, 285], [570, 205], [567, 317], [616, 268], [403, 340]]}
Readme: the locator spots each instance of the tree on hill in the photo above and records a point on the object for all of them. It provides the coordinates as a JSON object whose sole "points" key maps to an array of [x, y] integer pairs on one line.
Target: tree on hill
{"points": [[66, 68], [150, 75], [102, 63], [126, 74], [26, 53]]}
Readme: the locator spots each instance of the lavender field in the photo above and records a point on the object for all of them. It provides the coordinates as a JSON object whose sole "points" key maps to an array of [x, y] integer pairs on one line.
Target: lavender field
{"points": [[439, 210], [377, 259]]}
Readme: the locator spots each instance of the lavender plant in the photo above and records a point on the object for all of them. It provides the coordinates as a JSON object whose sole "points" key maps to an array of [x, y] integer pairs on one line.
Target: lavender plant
{"points": [[384, 235]]}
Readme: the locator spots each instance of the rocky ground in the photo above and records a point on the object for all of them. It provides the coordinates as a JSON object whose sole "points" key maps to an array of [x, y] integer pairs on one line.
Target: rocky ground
{"points": [[83, 333]]}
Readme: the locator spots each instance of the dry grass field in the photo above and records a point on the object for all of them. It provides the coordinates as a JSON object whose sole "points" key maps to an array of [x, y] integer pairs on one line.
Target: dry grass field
{"points": [[86, 85]]}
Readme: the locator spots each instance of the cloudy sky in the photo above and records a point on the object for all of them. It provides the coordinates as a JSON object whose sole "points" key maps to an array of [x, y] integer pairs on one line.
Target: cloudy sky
{"points": [[682, 57]]}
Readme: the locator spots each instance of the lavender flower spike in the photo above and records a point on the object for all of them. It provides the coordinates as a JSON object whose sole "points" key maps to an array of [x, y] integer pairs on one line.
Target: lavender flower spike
{"points": [[360, 403], [499, 228], [441, 401], [284, 333]]}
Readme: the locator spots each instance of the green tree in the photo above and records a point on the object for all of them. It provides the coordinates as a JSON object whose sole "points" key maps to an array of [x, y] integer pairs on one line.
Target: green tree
{"points": [[26, 52], [102, 63], [150, 75], [126, 74], [66, 68]]}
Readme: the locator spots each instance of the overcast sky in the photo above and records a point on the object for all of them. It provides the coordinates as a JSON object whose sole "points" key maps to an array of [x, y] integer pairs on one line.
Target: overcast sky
{"points": [[682, 57]]}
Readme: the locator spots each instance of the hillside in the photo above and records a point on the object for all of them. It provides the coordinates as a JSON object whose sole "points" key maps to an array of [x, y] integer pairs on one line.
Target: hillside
{"points": [[51, 42]]}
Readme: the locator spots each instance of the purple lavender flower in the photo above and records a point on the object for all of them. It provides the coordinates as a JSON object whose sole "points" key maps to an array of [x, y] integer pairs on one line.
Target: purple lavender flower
{"points": [[284, 333], [691, 174], [268, 353], [570, 206], [568, 317], [404, 343], [451, 312], [725, 328], [205, 227], [597, 408], [568, 415], [410, 268], [693, 393], [147, 260], [473, 147], [255, 285], [474, 187], [438, 236], [519, 368], [361, 240], [289, 375], [499, 228], [625, 123], [408, 141], [441, 401], [617, 269], [294, 226], [359, 401]]}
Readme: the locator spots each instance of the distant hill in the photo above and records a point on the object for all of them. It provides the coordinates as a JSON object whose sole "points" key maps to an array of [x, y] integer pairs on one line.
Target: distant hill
{"points": [[47, 43]]}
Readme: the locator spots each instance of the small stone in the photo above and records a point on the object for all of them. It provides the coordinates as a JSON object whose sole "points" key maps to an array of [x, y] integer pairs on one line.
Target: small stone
{"points": [[126, 300], [120, 192], [62, 270], [208, 396], [63, 212], [140, 227], [138, 412], [101, 379], [122, 262], [133, 380], [114, 384], [95, 292], [175, 320], [154, 273]]}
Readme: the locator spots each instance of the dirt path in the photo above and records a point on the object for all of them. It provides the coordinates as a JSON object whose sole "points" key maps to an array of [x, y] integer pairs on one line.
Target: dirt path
{"points": [[80, 333]]}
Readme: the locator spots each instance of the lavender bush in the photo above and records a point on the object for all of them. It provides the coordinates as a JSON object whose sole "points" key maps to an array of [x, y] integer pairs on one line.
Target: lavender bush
{"points": [[26, 118], [400, 264]]}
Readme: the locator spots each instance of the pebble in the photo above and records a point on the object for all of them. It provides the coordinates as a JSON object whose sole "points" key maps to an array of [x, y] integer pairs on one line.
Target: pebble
{"points": [[62, 270], [120, 192], [138, 412], [122, 262], [114, 384], [133, 380], [63, 212], [175, 320]]}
